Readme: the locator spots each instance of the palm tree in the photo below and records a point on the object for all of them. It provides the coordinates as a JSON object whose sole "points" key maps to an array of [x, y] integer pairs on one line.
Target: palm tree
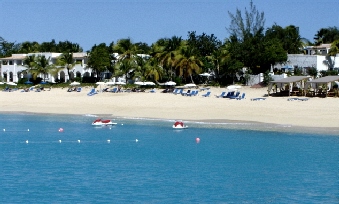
{"points": [[125, 67], [126, 49], [187, 63], [153, 69], [66, 60], [165, 50], [30, 63], [218, 58], [42, 66]]}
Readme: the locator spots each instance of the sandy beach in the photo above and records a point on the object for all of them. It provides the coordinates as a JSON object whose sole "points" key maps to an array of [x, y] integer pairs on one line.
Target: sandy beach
{"points": [[316, 112]]}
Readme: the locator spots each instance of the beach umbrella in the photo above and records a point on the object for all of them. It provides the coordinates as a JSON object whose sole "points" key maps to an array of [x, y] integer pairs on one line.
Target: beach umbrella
{"points": [[205, 74], [74, 83], [149, 83], [11, 83], [139, 83], [232, 87], [190, 85], [110, 83], [170, 83]]}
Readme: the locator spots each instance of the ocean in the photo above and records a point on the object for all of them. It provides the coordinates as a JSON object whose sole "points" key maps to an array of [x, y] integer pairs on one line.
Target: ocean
{"points": [[63, 159]]}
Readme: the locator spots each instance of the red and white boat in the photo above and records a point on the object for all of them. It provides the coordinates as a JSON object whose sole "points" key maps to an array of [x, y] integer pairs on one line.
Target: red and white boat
{"points": [[179, 125], [100, 122]]}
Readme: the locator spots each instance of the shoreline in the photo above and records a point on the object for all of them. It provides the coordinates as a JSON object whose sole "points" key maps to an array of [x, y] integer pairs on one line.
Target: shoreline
{"points": [[222, 124], [314, 115]]}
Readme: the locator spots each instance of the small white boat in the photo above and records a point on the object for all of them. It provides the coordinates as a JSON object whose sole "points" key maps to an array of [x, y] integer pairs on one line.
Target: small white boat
{"points": [[99, 122], [179, 125]]}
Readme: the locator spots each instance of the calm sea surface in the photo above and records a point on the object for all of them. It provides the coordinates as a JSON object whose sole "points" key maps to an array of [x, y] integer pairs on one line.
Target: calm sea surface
{"points": [[165, 165]]}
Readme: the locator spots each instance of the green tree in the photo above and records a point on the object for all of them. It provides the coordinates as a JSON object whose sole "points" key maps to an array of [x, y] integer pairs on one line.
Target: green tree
{"points": [[253, 23], [29, 47], [165, 50], [126, 49], [8, 48], [30, 63], [326, 35], [187, 63], [218, 59], [203, 44], [153, 69], [126, 67], [99, 58], [289, 38], [42, 66], [66, 60]]}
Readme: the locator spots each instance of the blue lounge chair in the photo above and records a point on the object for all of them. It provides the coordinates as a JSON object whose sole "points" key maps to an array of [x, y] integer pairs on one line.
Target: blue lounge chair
{"points": [[234, 96], [206, 94], [293, 99], [92, 92], [185, 93], [79, 89], [258, 99], [242, 96], [175, 91], [221, 95], [179, 91], [297, 99], [114, 90], [152, 91], [191, 93]]}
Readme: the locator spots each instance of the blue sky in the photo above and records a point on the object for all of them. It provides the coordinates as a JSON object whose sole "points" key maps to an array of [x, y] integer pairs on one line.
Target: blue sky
{"points": [[89, 22]]}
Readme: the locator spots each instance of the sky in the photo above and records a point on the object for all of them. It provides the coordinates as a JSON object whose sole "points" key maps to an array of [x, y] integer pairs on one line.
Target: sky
{"points": [[90, 22]]}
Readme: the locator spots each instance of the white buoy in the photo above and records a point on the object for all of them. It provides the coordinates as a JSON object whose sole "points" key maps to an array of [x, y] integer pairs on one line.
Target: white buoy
{"points": [[78, 141], [136, 140], [4, 130], [59, 141], [26, 141], [108, 141], [27, 130], [122, 124]]}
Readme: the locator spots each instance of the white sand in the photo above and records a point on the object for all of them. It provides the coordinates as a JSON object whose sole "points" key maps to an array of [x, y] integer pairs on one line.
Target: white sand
{"points": [[316, 112]]}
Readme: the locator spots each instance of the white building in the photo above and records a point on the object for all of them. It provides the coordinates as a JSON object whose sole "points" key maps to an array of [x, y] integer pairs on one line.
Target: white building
{"points": [[315, 56], [13, 69]]}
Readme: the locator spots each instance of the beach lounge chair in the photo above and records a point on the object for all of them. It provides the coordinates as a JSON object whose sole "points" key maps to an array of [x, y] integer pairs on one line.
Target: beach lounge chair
{"points": [[303, 99], [292, 99], [258, 99], [92, 92], [175, 91], [191, 93], [79, 89], [234, 96], [152, 91], [207, 94], [185, 93], [297, 99], [114, 90], [242, 96], [221, 95]]}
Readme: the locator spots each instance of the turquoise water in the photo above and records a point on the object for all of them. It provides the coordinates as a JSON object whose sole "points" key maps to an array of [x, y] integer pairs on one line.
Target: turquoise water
{"points": [[164, 166]]}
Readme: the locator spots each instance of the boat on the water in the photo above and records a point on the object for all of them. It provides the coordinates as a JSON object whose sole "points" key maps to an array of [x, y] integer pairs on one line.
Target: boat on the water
{"points": [[100, 122], [179, 125]]}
